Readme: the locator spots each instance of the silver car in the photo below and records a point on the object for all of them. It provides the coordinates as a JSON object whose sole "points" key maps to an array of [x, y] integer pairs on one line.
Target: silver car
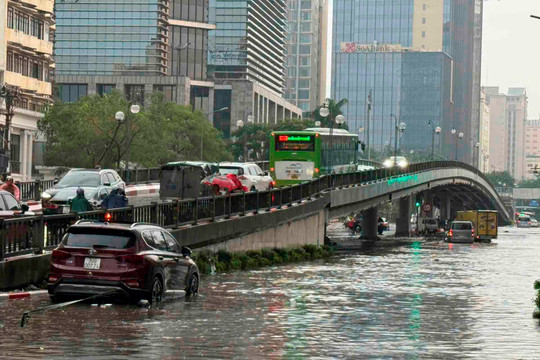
{"points": [[523, 221], [460, 232]]}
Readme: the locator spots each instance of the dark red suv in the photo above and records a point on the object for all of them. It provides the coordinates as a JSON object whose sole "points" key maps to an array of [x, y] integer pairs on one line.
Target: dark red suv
{"points": [[139, 261]]}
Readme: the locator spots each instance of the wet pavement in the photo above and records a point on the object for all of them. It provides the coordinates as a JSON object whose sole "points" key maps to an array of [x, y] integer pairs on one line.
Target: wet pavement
{"points": [[413, 299]]}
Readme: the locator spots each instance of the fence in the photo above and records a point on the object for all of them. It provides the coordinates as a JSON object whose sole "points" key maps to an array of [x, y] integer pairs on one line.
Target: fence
{"points": [[37, 233]]}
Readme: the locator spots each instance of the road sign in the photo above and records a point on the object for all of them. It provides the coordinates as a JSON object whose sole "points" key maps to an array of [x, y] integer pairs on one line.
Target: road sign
{"points": [[426, 207]]}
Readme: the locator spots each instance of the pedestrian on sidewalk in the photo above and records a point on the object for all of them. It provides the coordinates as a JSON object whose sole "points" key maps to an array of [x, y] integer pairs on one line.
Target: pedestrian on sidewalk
{"points": [[80, 203], [10, 187]]}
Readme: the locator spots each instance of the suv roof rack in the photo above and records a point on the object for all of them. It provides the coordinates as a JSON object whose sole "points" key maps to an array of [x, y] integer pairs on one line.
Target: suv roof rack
{"points": [[85, 221], [141, 223]]}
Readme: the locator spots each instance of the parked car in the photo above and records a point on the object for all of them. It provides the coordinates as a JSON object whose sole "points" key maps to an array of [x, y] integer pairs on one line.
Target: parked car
{"points": [[534, 222], [523, 221], [400, 161], [10, 207], [460, 231], [250, 174], [96, 183], [138, 261]]}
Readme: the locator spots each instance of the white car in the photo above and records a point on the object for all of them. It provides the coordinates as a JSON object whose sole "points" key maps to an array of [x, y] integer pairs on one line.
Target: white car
{"points": [[250, 174], [534, 222], [400, 161]]}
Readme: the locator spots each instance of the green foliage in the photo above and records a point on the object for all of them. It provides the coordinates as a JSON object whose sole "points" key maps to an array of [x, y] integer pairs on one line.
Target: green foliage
{"points": [[86, 133], [499, 178], [252, 139], [531, 183], [225, 261], [335, 108]]}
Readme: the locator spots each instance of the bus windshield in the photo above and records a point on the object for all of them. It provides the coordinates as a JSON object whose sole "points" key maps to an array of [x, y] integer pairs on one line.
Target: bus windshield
{"points": [[295, 142]]}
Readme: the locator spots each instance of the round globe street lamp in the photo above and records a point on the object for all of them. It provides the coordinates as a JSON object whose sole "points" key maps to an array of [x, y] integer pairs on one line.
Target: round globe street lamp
{"points": [[317, 123], [250, 119], [340, 119], [459, 137], [119, 116]]}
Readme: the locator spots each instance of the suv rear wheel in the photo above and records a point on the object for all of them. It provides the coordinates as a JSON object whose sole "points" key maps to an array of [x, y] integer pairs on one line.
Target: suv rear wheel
{"points": [[156, 291], [192, 287]]}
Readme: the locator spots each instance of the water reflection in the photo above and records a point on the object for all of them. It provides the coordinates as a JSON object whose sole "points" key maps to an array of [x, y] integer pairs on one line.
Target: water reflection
{"points": [[415, 300]]}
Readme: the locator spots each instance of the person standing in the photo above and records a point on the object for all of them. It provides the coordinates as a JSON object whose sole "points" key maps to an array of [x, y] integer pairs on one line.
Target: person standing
{"points": [[80, 203], [10, 187], [115, 199]]}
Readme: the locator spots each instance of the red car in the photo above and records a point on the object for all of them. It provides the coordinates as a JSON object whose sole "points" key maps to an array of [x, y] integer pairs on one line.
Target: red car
{"points": [[138, 261], [227, 183]]}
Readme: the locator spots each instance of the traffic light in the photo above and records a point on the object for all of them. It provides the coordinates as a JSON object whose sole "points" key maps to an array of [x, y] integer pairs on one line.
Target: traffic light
{"points": [[418, 201]]}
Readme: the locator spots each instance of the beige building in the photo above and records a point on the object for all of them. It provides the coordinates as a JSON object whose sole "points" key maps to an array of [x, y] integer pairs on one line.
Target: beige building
{"points": [[25, 64], [483, 144], [532, 147], [508, 114]]}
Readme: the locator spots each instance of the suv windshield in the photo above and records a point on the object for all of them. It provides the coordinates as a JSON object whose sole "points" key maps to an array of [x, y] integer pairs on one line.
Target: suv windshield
{"points": [[80, 178], [101, 238], [462, 226], [524, 218]]}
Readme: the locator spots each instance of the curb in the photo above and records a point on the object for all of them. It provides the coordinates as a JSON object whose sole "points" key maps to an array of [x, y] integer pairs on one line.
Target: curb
{"points": [[21, 295]]}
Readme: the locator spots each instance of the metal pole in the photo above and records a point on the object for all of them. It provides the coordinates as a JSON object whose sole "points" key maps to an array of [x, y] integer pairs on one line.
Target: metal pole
{"points": [[395, 138], [128, 144], [455, 152], [368, 128], [202, 142], [432, 143], [331, 142]]}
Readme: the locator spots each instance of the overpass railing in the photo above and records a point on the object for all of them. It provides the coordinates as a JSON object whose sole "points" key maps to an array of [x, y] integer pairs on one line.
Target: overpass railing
{"points": [[37, 233]]}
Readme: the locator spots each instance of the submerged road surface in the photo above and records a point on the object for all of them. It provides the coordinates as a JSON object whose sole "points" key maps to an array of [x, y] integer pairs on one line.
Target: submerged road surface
{"points": [[421, 299]]}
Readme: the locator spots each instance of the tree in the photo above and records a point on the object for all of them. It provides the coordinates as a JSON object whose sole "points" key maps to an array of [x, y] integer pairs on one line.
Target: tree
{"points": [[86, 133], [500, 178], [335, 109]]}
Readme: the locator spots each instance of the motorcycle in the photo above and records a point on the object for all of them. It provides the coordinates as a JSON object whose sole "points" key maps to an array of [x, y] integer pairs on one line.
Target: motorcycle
{"points": [[354, 227]]}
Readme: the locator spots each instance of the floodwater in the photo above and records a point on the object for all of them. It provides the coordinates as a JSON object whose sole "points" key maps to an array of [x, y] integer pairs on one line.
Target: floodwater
{"points": [[422, 299]]}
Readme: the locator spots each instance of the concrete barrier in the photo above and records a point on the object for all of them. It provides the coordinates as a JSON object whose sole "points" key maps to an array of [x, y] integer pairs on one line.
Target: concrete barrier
{"points": [[19, 271]]}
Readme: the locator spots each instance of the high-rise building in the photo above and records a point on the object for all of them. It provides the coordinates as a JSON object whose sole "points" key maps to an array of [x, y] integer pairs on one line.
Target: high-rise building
{"points": [[246, 60], [26, 62], [137, 47], [306, 53], [483, 145], [532, 148], [415, 59], [508, 116]]}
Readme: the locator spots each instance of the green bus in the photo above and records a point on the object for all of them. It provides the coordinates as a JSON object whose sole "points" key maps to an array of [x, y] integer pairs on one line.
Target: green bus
{"points": [[297, 156]]}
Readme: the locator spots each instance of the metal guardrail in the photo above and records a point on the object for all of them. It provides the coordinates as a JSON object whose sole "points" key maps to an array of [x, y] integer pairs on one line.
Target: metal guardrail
{"points": [[37, 233]]}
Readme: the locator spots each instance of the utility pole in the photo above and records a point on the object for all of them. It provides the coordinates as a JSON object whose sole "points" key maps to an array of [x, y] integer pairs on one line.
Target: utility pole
{"points": [[368, 127], [9, 94]]}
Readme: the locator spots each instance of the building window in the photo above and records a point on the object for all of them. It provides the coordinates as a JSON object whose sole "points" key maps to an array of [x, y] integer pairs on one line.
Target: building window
{"points": [[71, 92], [305, 15], [305, 61], [423, 34], [135, 93], [305, 27], [305, 49], [423, 20], [303, 83], [305, 38], [303, 94], [304, 72], [168, 91], [27, 24], [103, 89], [15, 153], [424, 6], [305, 5]]}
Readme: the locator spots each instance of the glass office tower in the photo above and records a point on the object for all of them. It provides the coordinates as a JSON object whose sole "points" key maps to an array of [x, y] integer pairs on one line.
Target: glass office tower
{"points": [[404, 52], [111, 37]]}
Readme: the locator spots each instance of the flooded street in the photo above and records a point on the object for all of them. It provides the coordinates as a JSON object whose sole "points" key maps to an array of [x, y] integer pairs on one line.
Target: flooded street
{"points": [[422, 299]]}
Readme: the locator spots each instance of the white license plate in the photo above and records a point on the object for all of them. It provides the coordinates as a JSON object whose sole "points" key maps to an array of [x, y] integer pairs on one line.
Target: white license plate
{"points": [[92, 263], [65, 209]]}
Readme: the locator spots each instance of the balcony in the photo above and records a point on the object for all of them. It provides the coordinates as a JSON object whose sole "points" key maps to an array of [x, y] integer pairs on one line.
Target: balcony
{"points": [[18, 37], [28, 83], [43, 5]]}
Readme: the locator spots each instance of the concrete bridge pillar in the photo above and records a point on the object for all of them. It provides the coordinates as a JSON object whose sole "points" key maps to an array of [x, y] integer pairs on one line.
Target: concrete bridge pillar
{"points": [[402, 221], [369, 224], [445, 201]]}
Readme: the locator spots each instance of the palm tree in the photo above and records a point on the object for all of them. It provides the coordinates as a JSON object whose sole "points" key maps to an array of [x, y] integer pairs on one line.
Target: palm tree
{"points": [[335, 109]]}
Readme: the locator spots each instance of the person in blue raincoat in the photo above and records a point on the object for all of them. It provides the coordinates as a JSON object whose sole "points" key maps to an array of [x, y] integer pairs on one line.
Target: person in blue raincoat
{"points": [[116, 199]]}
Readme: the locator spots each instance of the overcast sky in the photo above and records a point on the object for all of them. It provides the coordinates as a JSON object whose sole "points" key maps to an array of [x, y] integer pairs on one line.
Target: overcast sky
{"points": [[511, 48]]}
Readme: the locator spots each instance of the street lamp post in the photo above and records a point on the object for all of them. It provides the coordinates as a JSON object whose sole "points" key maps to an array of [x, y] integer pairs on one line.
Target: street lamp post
{"points": [[134, 109], [476, 155], [434, 131], [398, 128], [324, 112], [178, 49], [240, 124], [454, 131], [459, 137]]}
